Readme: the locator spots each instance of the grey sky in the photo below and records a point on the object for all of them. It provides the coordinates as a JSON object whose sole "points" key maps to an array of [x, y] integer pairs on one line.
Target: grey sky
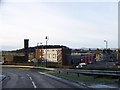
{"points": [[74, 24]]}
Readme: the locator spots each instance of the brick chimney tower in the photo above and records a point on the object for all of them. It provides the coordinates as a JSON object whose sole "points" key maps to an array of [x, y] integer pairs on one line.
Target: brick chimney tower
{"points": [[26, 46]]}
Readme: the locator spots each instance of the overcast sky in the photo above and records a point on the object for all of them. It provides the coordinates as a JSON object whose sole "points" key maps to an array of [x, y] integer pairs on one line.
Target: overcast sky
{"points": [[73, 24]]}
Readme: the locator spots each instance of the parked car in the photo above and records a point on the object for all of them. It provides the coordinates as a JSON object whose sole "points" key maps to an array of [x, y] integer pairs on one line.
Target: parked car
{"points": [[1, 62], [81, 65]]}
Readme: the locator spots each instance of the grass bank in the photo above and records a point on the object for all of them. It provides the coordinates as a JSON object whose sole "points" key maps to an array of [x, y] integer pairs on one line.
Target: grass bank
{"points": [[88, 80]]}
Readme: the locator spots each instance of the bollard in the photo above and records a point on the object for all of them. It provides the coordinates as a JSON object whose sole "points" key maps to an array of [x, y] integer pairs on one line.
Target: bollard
{"points": [[119, 80], [78, 74], [95, 77], [67, 72], [59, 71]]}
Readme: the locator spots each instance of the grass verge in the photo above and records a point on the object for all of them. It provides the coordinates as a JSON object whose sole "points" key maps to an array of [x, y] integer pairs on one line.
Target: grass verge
{"points": [[88, 80]]}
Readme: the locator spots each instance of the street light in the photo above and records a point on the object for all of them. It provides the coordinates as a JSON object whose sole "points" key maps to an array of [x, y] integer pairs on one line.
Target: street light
{"points": [[41, 52], [47, 38], [106, 42], [38, 52]]}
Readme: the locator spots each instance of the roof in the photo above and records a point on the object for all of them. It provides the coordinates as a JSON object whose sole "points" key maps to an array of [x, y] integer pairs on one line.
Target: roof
{"points": [[51, 46]]}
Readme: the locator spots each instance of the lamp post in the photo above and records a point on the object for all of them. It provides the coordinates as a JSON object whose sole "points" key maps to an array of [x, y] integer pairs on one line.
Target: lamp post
{"points": [[41, 52], [106, 42], [38, 52], [47, 38]]}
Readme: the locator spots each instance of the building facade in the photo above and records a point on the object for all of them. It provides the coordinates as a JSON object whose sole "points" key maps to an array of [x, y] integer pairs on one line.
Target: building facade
{"points": [[56, 54], [51, 55], [77, 58]]}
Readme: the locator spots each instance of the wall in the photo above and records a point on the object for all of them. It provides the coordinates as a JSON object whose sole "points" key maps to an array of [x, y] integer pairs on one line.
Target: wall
{"points": [[8, 59], [19, 59], [52, 54]]}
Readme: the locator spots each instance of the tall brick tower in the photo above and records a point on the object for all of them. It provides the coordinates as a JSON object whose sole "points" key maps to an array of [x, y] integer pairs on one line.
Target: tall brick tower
{"points": [[26, 46]]}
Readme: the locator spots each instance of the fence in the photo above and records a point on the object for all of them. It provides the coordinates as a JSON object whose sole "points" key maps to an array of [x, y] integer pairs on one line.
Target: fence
{"points": [[103, 73]]}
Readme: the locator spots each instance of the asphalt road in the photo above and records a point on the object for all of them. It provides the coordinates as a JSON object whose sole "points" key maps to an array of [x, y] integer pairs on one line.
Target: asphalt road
{"points": [[22, 78]]}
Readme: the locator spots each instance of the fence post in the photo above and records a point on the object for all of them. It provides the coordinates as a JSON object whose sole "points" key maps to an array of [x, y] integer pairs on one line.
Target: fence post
{"points": [[59, 71], [67, 72], [118, 79], [78, 74], [95, 77]]}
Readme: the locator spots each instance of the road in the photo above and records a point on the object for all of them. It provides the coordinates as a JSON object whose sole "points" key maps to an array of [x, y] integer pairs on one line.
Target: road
{"points": [[23, 78]]}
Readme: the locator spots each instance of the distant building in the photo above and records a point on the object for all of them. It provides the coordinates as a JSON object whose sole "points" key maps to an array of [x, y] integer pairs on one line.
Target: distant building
{"points": [[77, 58], [52, 54], [56, 54], [11, 59], [105, 54], [118, 55], [99, 56], [109, 55], [8, 59]]}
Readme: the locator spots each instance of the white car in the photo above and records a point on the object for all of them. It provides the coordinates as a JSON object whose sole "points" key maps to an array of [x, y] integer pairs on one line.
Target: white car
{"points": [[81, 65], [1, 62]]}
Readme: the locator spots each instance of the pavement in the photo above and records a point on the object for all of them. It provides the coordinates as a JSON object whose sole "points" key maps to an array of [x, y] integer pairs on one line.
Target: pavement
{"points": [[2, 77], [103, 86]]}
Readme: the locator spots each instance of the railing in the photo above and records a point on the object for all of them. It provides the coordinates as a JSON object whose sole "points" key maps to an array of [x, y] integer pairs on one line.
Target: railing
{"points": [[115, 74]]}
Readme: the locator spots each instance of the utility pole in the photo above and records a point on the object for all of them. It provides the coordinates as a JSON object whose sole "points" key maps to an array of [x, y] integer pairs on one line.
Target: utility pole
{"points": [[47, 38], [106, 42]]}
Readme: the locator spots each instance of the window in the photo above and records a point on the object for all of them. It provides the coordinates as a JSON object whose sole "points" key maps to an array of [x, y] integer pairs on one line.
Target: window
{"points": [[54, 55], [49, 55]]}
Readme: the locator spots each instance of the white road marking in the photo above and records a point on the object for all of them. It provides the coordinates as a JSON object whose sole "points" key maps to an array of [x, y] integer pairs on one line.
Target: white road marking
{"points": [[34, 84], [32, 81], [28, 75], [30, 78]]}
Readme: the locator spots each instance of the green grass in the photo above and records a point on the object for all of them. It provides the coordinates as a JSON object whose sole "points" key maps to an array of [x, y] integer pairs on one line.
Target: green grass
{"points": [[25, 63], [23, 68], [88, 80], [41, 64]]}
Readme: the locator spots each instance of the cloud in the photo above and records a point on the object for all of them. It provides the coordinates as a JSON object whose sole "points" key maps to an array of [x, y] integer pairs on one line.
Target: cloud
{"points": [[36, 20]]}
